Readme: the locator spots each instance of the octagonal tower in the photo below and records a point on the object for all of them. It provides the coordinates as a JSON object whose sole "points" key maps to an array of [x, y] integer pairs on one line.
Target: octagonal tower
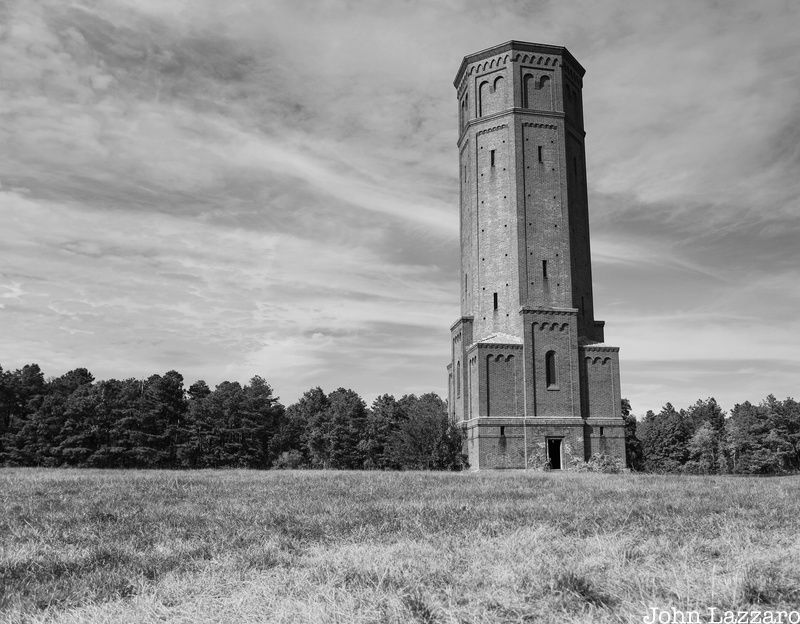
{"points": [[531, 380]]}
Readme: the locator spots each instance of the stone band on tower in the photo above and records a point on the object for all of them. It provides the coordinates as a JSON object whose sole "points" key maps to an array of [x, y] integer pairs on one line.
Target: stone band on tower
{"points": [[530, 379]]}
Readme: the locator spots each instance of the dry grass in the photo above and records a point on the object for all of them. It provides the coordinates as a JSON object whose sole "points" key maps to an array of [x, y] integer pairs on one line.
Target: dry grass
{"points": [[238, 546]]}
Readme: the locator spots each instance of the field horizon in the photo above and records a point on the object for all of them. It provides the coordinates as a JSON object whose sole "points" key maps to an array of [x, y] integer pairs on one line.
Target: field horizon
{"points": [[88, 545]]}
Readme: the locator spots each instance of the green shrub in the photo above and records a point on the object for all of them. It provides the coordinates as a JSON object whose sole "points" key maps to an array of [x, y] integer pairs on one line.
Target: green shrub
{"points": [[289, 460], [597, 463]]}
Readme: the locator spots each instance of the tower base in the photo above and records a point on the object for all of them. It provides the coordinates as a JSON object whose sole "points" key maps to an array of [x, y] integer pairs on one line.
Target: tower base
{"points": [[540, 443]]}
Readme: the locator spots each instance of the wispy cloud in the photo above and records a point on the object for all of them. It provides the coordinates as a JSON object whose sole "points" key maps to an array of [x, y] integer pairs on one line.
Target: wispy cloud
{"points": [[238, 188]]}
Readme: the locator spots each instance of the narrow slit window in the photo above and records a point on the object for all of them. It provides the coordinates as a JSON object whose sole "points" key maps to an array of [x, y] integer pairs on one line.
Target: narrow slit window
{"points": [[544, 269], [495, 301], [540, 153], [491, 158], [550, 369], [601, 431], [502, 431]]}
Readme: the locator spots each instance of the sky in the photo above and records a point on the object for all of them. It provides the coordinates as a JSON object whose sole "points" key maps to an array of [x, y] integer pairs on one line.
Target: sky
{"points": [[243, 188]]}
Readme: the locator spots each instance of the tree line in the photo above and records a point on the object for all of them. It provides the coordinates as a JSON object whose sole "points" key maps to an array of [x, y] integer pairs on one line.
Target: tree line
{"points": [[73, 420], [703, 439]]}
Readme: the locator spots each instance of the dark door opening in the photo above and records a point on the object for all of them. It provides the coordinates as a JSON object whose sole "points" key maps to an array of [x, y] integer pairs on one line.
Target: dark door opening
{"points": [[554, 453]]}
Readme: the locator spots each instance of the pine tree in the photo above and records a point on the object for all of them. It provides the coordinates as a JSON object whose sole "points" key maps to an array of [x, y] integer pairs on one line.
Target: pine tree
{"points": [[707, 422], [199, 435], [121, 416], [764, 439], [665, 440], [784, 419], [25, 391], [262, 417], [426, 439], [346, 416], [384, 418], [306, 429]]}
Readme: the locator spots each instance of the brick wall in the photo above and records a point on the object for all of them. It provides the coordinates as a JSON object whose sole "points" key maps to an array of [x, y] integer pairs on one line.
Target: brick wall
{"points": [[544, 218], [501, 444], [523, 204], [461, 337], [600, 382], [495, 234], [500, 380], [556, 332], [611, 441]]}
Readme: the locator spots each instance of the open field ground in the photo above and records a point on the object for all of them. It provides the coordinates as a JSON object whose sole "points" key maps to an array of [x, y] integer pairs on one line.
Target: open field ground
{"points": [[240, 546]]}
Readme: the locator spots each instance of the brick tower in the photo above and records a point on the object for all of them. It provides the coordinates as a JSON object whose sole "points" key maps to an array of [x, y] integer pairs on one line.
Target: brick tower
{"points": [[530, 379]]}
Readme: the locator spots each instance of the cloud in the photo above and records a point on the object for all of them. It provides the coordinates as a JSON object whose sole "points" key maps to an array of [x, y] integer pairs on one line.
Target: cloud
{"points": [[207, 295], [239, 188]]}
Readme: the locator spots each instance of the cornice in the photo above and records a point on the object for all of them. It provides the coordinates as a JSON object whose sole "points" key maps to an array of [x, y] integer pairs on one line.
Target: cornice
{"points": [[529, 421], [494, 345], [488, 345], [549, 325], [507, 112], [549, 311], [605, 421], [492, 63], [539, 125], [538, 53], [542, 113], [492, 129], [598, 348], [463, 319]]}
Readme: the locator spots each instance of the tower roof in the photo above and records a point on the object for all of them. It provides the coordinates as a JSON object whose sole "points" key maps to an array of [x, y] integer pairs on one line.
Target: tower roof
{"points": [[522, 46]]}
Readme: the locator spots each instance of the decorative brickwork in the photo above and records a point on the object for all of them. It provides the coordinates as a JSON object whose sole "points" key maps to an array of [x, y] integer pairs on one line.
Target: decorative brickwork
{"points": [[529, 379]]}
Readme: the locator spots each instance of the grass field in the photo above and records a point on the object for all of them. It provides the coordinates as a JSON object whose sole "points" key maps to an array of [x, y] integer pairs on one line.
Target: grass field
{"points": [[239, 546]]}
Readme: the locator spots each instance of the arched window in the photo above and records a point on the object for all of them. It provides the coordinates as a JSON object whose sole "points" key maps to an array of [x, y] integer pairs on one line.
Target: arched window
{"points": [[483, 95], [542, 94], [492, 96], [527, 86], [458, 379], [550, 369]]}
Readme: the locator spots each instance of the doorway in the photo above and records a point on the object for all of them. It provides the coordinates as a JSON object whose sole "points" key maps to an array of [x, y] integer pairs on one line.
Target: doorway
{"points": [[554, 453]]}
